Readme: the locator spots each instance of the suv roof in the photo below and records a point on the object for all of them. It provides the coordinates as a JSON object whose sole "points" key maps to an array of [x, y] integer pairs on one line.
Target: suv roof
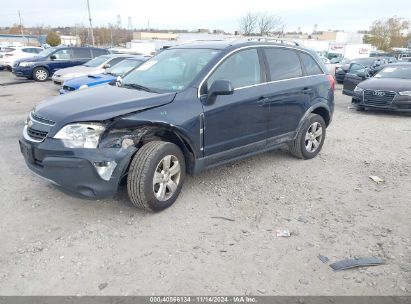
{"points": [[225, 44]]}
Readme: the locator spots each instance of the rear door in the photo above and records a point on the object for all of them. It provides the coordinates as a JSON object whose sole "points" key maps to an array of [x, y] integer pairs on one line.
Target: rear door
{"points": [[352, 78], [286, 92], [81, 55]]}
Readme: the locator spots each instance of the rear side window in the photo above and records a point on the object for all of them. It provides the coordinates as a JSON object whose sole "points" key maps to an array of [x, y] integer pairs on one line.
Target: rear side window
{"points": [[283, 63], [81, 53], [310, 65], [98, 52], [241, 69], [27, 50]]}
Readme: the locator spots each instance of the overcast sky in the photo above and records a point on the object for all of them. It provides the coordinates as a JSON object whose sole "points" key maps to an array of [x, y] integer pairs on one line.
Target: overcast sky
{"points": [[350, 15]]}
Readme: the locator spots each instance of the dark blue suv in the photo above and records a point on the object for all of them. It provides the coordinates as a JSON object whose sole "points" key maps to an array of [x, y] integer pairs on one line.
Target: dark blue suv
{"points": [[189, 108], [42, 66]]}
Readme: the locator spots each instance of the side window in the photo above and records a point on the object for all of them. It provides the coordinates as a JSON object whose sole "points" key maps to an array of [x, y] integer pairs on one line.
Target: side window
{"points": [[114, 61], [64, 54], [81, 53], [283, 63], [36, 51], [310, 65], [98, 52], [242, 69], [27, 50]]}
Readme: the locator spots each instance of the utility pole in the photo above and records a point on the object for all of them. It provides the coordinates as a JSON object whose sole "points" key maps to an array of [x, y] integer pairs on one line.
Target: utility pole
{"points": [[91, 26], [21, 27]]}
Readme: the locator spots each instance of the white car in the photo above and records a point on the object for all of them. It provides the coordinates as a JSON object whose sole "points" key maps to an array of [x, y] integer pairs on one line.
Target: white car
{"points": [[95, 66], [14, 53]]}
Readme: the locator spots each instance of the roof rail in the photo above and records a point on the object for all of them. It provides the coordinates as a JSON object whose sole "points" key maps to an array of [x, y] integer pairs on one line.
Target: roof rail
{"points": [[276, 40]]}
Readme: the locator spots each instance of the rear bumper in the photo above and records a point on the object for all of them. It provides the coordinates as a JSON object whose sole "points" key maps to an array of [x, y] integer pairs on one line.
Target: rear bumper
{"points": [[74, 169]]}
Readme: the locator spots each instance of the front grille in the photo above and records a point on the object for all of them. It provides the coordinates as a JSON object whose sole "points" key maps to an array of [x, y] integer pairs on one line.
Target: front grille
{"points": [[36, 134], [67, 88], [378, 98], [42, 119]]}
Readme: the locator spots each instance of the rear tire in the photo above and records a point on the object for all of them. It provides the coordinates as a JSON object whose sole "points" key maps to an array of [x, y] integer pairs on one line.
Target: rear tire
{"points": [[156, 176], [310, 138], [40, 74]]}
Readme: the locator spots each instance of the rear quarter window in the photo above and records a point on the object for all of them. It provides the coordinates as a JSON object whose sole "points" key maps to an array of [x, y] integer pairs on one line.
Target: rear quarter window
{"points": [[311, 67], [99, 52], [283, 63]]}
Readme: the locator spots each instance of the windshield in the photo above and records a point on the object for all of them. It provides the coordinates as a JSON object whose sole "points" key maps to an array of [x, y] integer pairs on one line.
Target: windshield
{"points": [[171, 70], [96, 61], [403, 72], [47, 52], [124, 67]]}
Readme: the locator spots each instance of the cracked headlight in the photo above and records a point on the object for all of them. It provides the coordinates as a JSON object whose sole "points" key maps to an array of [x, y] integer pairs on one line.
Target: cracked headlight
{"points": [[26, 64], [80, 135], [357, 89]]}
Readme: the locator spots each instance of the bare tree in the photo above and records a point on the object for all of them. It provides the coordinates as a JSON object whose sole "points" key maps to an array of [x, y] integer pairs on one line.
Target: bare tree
{"points": [[248, 23], [268, 23]]}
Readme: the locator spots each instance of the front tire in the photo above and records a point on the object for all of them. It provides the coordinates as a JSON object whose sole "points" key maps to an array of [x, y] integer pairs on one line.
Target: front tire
{"points": [[156, 176], [310, 138], [40, 74]]}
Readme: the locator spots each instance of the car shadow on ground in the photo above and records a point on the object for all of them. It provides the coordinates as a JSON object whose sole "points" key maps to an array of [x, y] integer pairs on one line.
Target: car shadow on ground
{"points": [[382, 112]]}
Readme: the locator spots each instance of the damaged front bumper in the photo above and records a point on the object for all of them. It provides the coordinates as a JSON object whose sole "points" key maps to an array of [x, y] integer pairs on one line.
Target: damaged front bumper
{"points": [[92, 173]]}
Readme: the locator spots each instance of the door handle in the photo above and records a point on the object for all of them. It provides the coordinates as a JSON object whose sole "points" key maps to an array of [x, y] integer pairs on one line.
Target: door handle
{"points": [[307, 90], [262, 101]]}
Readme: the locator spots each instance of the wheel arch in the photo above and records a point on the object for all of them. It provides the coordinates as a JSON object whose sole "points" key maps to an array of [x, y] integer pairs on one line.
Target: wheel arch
{"points": [[161, 131]]}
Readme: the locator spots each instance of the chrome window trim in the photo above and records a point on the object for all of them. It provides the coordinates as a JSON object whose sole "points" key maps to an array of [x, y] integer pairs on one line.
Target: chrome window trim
{"points": [[258, 46], [274, 81]]}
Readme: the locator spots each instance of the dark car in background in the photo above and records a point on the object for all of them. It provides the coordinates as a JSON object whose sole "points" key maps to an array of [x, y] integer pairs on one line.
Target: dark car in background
{"points": [[374, 65], [189, 108], [118, 70], [42, 66], [389, 89]]}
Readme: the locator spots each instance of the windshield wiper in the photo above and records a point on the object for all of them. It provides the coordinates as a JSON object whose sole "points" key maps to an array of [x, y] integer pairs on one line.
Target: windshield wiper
{"points": [[138, 87]]}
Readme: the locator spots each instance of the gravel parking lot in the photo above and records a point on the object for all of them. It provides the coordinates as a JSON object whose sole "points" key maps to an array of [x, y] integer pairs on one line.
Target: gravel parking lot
{"points": [[55, 244]]}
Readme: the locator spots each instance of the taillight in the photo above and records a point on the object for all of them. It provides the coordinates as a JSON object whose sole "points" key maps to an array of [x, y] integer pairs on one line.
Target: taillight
{"points": [[332, 81]]}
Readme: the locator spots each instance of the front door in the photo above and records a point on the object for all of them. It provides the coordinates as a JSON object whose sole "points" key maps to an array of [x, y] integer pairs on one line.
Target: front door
{"points": [[63, 59], [236, 124], [352, 78]]}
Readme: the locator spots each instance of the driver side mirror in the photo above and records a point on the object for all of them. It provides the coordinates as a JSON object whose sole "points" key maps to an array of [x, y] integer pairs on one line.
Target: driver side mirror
{"points": [[106, 66], [53, 57], [219, 87]]}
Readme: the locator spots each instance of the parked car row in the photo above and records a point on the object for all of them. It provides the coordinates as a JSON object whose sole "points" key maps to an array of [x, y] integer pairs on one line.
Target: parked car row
{"points": [[388, 89]]}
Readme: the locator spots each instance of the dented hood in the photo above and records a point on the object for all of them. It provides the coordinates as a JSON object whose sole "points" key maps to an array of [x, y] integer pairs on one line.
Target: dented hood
{"points": [[99, 103]]}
